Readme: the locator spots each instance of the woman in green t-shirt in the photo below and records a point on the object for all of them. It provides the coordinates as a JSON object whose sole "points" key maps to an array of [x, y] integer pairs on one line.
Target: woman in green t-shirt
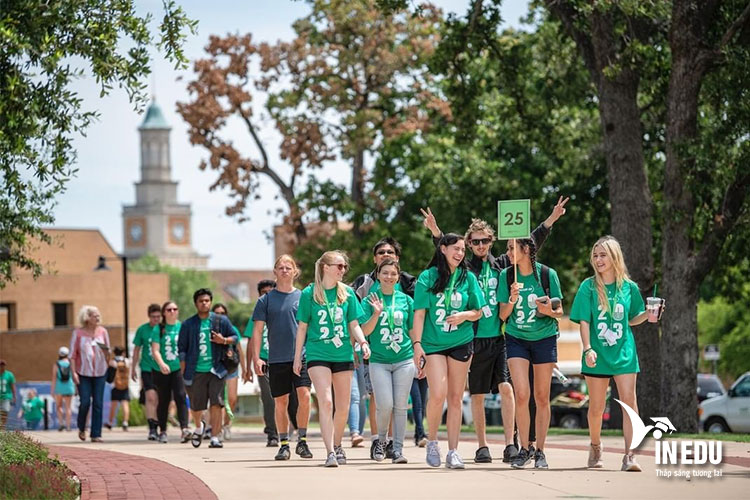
{"points": [[447, 299], [389, 316], [530, 339], [169, 383], [606, 306], [328, 324]]}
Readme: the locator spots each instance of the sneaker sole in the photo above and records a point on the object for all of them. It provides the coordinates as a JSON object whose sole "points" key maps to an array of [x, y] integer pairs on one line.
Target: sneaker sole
{"points": [[632, 468], [595, 466], [434, 465], [448, 466], [520, 466], [330, 465], [280, 459], [483, 461]]}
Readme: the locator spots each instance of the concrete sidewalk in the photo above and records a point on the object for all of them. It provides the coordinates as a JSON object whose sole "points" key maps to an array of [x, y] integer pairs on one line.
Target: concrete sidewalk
{"points": [[245, 468]]}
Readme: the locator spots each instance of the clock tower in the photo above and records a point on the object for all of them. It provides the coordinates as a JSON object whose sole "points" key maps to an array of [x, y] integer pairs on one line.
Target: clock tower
{"points": [[157, 224]]}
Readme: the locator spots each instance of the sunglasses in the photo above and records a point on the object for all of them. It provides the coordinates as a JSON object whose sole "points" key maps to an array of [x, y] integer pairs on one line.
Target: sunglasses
{"points": [[483, 241], [385, 252], [170, 309], [342, 267]]}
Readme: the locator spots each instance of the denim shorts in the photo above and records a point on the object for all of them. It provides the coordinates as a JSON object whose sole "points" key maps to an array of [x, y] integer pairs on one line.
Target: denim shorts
{"points": [[536, 351]]}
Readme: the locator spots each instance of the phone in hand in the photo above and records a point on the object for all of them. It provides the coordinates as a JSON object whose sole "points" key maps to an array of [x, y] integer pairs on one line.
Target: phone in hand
{"points": [[422, 362], [264, 369]]}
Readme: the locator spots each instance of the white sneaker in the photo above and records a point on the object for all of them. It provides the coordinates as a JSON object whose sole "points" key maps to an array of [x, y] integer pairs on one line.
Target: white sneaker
{"points": [[433, 454], [453, 460], [595, 457], [331, 460], [629, 464], [227, 431]]}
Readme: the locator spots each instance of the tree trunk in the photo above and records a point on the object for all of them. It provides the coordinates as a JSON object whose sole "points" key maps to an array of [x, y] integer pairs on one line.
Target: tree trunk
{"points": [[629, 193], [358, 190], [679, 346]]}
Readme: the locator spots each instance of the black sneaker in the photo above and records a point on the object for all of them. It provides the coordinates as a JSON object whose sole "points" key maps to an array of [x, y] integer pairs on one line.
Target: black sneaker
{"points": [[483, 456], [509, 453], [540, 461], [379, 453], [108, 426], [206, 433], [303, 450], [389, 449], [272, 442], [284, 453], [152, 435], [522, 459], [372, 448]]}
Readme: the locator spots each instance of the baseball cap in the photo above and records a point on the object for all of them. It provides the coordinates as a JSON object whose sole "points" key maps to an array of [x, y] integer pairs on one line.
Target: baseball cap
{"points": [[63, 351]]}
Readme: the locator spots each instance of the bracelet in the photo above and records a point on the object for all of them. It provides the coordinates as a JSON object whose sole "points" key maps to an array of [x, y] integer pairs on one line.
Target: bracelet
{"points": [[417, 342], [586, 351]]}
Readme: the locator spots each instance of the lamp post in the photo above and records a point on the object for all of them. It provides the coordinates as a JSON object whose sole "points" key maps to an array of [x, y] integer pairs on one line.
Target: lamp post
{"points": [[102, 266]]}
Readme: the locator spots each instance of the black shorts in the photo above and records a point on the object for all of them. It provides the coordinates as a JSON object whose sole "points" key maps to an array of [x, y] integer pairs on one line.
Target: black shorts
{"points": [[206, 387], [334, 366], [489, 367], [536, 351], [147, 379], [461, 352], [120, 394], [596, 375], [282, 378]]}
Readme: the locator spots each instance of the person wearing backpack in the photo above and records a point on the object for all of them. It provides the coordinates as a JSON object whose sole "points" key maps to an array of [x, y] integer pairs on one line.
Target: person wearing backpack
{"points": [[530, 304], [120, 389], [63, 388]]}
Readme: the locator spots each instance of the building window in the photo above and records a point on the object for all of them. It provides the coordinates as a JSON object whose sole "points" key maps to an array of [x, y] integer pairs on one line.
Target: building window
{"points": [[8, 316], [62, 313]]}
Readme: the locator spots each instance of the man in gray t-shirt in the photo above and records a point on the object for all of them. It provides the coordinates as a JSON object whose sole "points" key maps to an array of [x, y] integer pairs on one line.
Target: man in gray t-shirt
{"points": [[277, 311]]}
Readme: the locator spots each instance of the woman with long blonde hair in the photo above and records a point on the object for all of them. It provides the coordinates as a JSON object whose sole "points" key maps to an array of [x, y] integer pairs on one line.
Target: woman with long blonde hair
{"points": [[606, 306], [328, 317]]}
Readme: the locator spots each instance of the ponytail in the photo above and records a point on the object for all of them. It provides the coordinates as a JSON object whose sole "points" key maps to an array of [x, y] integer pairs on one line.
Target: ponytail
{"points": [[319, 294]]}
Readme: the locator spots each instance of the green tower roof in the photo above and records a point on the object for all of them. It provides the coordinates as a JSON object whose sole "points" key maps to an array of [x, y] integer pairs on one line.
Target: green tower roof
{"points": [[154, 118]]}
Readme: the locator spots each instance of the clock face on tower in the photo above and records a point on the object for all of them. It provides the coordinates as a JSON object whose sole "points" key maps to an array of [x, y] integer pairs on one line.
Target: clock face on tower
{"points": [[178, 232], [136, 232]]}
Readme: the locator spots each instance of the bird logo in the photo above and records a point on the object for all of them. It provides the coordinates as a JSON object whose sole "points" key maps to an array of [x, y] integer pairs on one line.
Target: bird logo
{"points": [[641, 430]]}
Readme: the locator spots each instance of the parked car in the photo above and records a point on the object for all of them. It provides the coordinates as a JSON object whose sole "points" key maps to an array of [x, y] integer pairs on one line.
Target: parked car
{"points": [[709, 386], [729, 412], [570, 407]]}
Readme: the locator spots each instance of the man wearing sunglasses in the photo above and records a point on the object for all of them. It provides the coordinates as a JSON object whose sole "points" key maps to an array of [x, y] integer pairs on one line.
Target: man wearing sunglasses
{"points": [[489, 366]]}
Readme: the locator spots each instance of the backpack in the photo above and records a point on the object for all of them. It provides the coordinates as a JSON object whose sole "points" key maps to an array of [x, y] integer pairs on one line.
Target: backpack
{"points": [[121, 375], [63, 372]]}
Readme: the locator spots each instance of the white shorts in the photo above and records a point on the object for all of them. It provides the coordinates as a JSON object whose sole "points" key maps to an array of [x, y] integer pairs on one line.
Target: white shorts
{"points": [[5, 405]]}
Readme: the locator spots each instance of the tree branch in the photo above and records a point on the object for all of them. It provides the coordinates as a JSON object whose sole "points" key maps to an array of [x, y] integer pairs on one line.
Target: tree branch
{"points": [[735, 197], [735, 27], [567, 14]]}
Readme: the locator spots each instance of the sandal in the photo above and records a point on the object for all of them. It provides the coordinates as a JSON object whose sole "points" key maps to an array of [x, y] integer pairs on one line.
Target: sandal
{"points": [[197, 437]]}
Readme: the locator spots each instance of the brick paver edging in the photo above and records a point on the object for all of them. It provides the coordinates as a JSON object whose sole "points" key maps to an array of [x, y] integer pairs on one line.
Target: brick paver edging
{"points": [[112, 475]]}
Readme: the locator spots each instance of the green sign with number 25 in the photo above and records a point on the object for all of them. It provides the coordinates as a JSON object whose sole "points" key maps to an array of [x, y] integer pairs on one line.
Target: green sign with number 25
{"points": [[513, 219]]}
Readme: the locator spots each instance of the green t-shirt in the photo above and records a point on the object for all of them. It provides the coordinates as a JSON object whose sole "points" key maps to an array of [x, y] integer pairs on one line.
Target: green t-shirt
{"points": [[389, 341], [328, 338], [33, 409], [143, 337], [466, 295], [614, 342], [489, 326], [168, 345], [205, 362], [7, 380], [264, 340], [523, 323]]}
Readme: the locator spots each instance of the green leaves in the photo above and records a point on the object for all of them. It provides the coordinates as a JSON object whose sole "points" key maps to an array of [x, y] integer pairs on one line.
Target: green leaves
{"points": [[44, 46]]}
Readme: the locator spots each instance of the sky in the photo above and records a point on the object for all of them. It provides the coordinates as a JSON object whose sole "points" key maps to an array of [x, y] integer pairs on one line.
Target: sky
{"points": [[108, 157]]}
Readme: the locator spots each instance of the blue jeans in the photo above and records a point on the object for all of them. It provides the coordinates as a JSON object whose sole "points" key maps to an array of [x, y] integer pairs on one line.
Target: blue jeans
{"points": [[391, 383], [91, 388], [419, 405], [354, 406]]}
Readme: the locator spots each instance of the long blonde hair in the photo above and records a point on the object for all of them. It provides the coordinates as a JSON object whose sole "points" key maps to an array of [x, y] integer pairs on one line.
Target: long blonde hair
{"points": [[612, 248], [319, 294]]}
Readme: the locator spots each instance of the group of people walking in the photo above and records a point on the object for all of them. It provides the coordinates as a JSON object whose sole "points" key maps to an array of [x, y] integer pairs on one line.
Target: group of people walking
{"points": [[489, 319]]}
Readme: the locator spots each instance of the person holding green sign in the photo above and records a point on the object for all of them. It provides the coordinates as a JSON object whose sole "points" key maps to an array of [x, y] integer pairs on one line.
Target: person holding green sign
{"points": [[387, 319], [530, 304], [328, 324], [489, 366], [606, 306], [447, 299]]}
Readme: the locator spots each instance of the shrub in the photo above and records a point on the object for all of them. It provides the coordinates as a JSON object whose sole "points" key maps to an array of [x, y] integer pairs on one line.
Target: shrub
{"points": [[27, 472]]}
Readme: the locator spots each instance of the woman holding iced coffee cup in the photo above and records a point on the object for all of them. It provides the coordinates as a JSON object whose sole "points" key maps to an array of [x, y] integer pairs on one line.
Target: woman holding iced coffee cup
{"points": [[606, 306]]}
